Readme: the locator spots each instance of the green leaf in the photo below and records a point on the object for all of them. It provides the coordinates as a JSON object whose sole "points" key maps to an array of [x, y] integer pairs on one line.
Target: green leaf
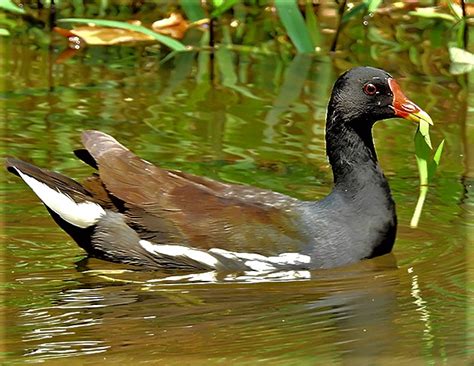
{"points": [[294, 24], [170, 42], [426, 166], [414, 55], [424, 129], [366, 6], [372, 5], [432, 13], [353, 12], [461, 26], [9, 5], [436, 34], [433, 164], [223, 7], [376, 36], [422, 153], [4, 32], [312, 24], [193, 9]]}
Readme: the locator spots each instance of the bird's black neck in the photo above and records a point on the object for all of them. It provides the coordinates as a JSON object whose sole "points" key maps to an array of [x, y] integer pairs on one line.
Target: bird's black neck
{"points": [[352, 155], [360, 185]]}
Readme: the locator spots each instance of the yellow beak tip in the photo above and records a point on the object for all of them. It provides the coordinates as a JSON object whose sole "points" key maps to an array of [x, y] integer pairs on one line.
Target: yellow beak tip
{"points": [[423, 116]]}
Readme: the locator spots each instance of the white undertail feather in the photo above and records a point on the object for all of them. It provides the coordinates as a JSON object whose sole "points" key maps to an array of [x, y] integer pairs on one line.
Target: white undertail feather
{"points": [[83, 214]]}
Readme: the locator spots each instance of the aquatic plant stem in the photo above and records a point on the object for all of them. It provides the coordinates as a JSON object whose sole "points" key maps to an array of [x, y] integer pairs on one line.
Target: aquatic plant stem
{"points": [[419, 206], [52, 15], [211, 33], [342, 8], [465, 28]]}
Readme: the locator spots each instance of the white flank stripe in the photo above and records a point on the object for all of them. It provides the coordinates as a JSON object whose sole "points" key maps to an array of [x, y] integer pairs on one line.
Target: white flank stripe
{"points": [[255, 262], [260, 266], [258, 262], [290, 258], [180, 251], [83, 214]]}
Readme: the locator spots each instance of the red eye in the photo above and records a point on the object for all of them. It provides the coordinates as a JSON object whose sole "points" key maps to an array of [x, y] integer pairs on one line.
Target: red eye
{"points": [[370, 89]]}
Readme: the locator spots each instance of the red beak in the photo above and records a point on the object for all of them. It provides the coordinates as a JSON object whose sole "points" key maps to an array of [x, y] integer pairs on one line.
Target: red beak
{"points": [[404, 107]]}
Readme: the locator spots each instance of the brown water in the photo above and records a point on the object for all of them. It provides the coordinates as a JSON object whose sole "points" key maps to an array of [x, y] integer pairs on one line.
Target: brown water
{"points": [[260, 121]]}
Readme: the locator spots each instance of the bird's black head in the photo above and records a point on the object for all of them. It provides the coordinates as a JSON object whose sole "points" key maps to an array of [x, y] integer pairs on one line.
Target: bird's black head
{"points": [[364, 95]]}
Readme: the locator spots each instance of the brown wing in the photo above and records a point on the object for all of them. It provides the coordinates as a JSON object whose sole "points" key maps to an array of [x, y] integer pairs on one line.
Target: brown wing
{"points": [[175, 207]]}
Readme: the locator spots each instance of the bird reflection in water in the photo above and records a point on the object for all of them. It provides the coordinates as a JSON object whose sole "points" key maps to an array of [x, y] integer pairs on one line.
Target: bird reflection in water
{"points": [[346, 314]]}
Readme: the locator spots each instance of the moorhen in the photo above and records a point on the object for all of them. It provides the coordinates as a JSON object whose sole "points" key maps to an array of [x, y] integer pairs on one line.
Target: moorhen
{"points": [[133, 212]]}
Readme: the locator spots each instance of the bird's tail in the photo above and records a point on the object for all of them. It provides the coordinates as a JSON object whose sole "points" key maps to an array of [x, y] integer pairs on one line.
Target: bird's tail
{"points": [[69, 202]]}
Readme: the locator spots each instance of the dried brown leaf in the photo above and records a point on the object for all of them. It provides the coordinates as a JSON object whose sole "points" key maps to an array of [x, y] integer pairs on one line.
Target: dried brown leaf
{"points": [[106, 36], [174, 26]]}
